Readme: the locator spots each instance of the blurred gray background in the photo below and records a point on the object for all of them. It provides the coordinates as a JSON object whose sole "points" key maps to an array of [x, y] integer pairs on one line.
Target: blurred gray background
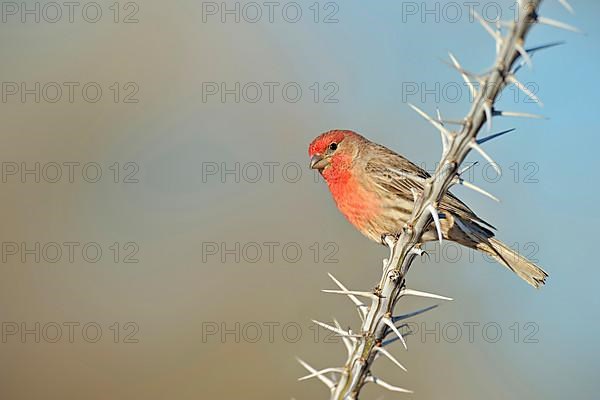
{"points": [[192, 266]]}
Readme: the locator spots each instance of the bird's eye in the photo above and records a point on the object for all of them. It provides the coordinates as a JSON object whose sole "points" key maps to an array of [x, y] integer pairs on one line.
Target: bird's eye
{"points": [[333, 146]]}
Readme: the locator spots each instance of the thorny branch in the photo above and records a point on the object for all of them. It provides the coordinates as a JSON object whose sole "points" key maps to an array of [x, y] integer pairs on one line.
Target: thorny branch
{"points": [[378, 320]]}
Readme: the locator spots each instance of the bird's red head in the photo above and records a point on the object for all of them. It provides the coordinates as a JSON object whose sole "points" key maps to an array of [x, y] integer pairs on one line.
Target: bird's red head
{"points": [[332, 152], [322, 142]]}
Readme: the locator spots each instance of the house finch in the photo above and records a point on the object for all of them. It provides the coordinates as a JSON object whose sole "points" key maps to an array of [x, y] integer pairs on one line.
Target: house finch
{"points": [[371, 186]]}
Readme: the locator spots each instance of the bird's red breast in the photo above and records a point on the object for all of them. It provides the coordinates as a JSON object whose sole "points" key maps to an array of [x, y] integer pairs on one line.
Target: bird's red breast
{"points": [[358, 205]]}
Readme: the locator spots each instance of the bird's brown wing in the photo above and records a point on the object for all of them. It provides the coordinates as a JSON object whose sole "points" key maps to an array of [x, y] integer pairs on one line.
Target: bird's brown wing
{"points": [[393, 173]]}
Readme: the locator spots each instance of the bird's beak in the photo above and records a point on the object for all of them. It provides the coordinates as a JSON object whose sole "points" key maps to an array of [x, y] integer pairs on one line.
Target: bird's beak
{"points": [[318, 162]]}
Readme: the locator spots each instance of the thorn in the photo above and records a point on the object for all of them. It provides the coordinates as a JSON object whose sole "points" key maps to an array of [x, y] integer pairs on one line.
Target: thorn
{"points": [[524, 89], [487, 108], [386, 385], [557, 24], [440, 127], [487, 27], [390, 357], [387, 342], [494, 136], [353, 298], [476, 188], [464, 76], [469, 74], [351, 292], [523, 53], [391, 325], [328, 382], [567, 6], [321, 372], [468, 167], [498, 34], [531, 51], [535, 49], [347, 342], [517, 114], [436, 220], [482, 152], [414, 313], [444, 137], [340, 332], [412, 292]]}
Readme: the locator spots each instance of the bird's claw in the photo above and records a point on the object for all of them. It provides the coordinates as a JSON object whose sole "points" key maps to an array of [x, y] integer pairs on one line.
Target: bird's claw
{"points": [[384, 236]]}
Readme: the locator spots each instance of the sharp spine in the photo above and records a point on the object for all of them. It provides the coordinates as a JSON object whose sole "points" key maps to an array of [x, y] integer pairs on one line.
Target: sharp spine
{"points": [[567, 6], [517, 114], [494, 136], [347, 342], [391, 325], [333, 329], [390, 357], [412, 292], [436, 220], [328, 382], [487, 109], [512, 79], [321, 372], [557, 24], [489, 159], [368, 295], [386, 385], [464, 76], [476, 188], [440, 127], [487, 27]]}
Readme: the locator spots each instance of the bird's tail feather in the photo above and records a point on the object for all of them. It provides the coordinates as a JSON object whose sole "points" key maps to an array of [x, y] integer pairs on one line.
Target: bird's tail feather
{"points": [[512, 260], [472, 234]]}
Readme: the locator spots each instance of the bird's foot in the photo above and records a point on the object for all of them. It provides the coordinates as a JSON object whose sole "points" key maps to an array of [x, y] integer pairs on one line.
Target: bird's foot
{"points": [[385, 236], [418, 249]]}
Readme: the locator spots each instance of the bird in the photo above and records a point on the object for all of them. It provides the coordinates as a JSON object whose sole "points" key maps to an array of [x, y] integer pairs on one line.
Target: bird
{"points": [[373, 187]]}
